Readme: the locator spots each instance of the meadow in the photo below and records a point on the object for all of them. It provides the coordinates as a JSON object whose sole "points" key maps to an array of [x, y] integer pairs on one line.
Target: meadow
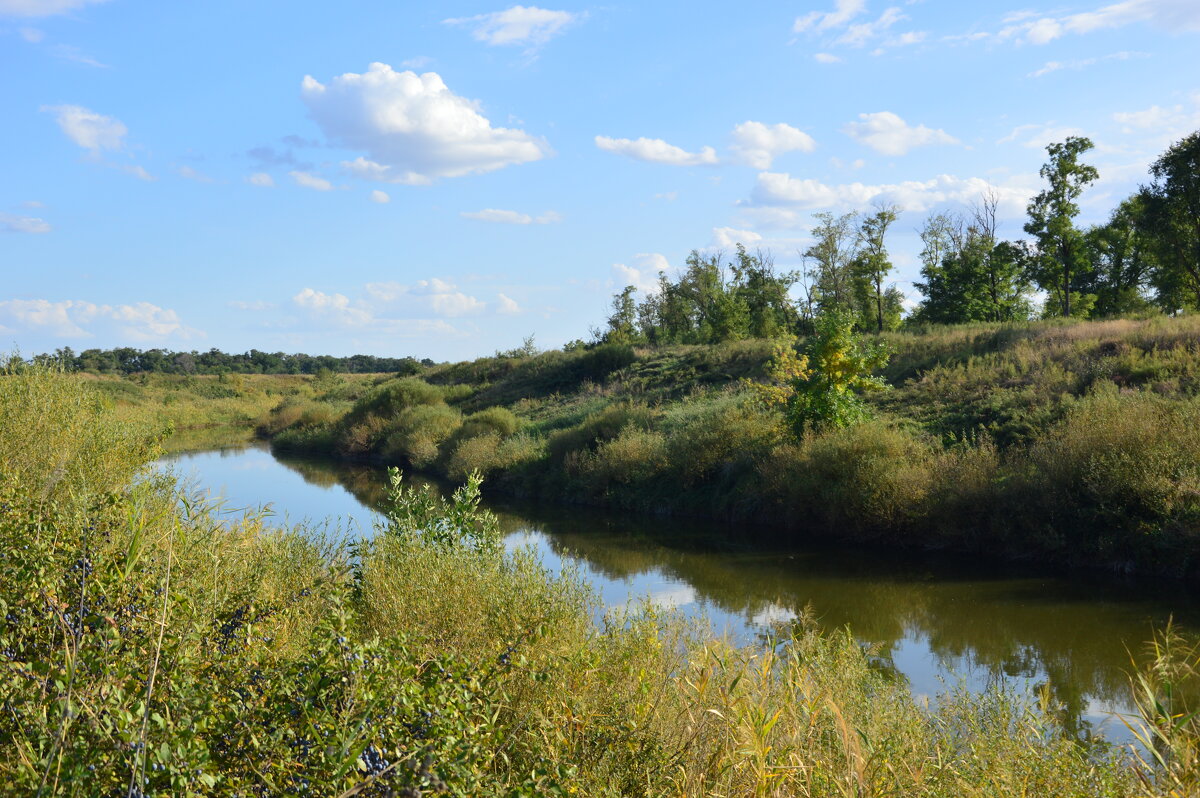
{"points": [[151, 649]]}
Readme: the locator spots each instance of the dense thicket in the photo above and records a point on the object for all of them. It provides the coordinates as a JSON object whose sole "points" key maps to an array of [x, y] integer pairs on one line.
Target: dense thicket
{"points": [[126, 360]]}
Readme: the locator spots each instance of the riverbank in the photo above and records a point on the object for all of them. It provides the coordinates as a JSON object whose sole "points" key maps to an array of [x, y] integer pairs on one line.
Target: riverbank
{"points": [[146, 643], [1075, 443]]}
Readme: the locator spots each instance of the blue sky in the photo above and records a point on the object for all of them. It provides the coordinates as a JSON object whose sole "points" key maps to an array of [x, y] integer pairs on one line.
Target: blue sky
{"points": [[442, 179]]}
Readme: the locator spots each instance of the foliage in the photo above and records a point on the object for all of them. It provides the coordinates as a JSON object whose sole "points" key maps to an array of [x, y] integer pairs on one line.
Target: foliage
{"points": [[1061, 264], [822, 389]]}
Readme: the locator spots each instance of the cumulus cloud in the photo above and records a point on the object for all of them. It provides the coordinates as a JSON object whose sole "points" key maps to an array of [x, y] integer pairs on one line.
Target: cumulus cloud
{"points": [[526, 26], [41, 8], [311, 181], [1174, 121], [757, 144], [510, 217], [88, 129], [887, 133], [1172, 15], [412, 128], [826, 58], [843, 26], [332, 307], [657, 151], [380, 197], [445, 299], [643, 275], [506, 305], [141, 321], [261, 179], [11, 223], [776, 190], [730, 237]]}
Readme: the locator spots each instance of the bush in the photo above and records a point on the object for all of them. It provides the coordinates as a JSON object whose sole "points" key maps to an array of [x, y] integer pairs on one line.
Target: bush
{"points": [[418, 431]]}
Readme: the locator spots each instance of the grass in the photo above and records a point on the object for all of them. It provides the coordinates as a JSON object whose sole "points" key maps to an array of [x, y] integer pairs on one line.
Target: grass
{"points": [[1062, 441], [151, 648]]}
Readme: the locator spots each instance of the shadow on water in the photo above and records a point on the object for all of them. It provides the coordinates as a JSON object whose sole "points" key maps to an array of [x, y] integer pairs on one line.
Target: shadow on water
{"points": [[938, 620]]}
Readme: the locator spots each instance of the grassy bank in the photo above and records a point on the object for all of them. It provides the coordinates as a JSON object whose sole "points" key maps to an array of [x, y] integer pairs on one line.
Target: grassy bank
{"points": [[1072, 442], [148, 649]]}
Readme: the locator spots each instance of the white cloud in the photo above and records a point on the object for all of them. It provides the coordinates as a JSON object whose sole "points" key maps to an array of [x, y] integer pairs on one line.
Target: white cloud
{"points": [[380, 197], [863, 32], [33, 204], [332, 307], [781, 191], [417, 62], [456, 304], [445, 299], [88, 129], [387, 292], [507, 305], [510, 217], [842, 13], [520, 25], [644, 274], [1084, 63], [1036, 137], [140, 321], [730, 237], [1171, 15], [757, 144], [41, 8], [1176, 120], [413, 128], [31, 35], [311, 181], [657, 151], [261, 179], [69, 52], [887, 133], [11, 223], [136, 171], [826, 58]]}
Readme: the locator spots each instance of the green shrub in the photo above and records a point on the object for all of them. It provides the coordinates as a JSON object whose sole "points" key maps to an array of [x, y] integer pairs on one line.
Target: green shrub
{"points": [[417, 433]]}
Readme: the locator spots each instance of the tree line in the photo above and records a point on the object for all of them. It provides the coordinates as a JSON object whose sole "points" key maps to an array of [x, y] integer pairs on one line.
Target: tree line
{"points": [[126, 360], [1145, 258]]}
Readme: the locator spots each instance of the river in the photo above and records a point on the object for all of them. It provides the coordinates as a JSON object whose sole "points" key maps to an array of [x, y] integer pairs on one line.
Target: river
{"points": [[940, 622]]}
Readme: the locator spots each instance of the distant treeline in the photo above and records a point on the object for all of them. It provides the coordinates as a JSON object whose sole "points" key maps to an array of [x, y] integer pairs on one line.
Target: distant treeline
{"points": [[1144, 260], [126, 360]]}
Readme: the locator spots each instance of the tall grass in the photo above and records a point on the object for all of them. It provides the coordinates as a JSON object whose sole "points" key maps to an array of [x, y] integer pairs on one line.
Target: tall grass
{"points": [[151, 648]]}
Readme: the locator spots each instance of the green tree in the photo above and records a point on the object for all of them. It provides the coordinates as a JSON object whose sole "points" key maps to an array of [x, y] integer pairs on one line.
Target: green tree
{"points": [[622, 324], [1123, 259], [823, 387], [872, 267], [1171, 219], [833, 254], [1061, 263]]}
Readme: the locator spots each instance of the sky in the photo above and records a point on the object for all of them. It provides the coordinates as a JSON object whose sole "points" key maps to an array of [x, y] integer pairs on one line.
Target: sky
{"points": [[443, 179]]}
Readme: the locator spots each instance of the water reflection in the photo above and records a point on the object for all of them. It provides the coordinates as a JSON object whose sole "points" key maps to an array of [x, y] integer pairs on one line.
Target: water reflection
{"points": [[936, 620]]}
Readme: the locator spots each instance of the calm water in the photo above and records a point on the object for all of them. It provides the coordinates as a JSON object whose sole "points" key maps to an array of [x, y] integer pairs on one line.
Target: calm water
{"points": [[940, 622]]}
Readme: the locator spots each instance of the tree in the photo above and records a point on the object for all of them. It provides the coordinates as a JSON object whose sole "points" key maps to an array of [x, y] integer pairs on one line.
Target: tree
{"points": [[833, 255], [822, 388], [1171, 218], [873, 265], [622, 323], [1052, 214], [1123, 260]]}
